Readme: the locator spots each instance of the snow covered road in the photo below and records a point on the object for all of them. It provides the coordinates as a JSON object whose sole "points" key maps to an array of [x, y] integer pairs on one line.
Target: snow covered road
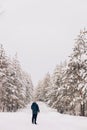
{"points": [[48, 119]]}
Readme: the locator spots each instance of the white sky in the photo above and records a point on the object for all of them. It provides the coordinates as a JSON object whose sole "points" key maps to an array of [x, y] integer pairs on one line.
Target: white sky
{"points": [[41, 31]]}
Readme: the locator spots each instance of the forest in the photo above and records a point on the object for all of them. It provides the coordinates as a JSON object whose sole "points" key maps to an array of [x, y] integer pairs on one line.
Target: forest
{"points": [[65, 89], [15, 85]]}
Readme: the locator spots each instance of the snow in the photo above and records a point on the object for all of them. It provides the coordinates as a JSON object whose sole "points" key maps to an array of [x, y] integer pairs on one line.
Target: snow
{"points": [[48, 119]]}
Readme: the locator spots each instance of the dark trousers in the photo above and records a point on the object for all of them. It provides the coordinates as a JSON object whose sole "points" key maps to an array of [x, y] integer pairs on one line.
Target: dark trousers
{"points": [[34, 118]]}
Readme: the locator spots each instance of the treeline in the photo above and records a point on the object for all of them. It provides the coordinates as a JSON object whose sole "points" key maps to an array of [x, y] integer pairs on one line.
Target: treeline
{"points": [[66, 89], [15, 85]]}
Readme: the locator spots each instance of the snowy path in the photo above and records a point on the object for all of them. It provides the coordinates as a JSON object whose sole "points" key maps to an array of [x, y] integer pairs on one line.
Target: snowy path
{"points": [[47, 120]]}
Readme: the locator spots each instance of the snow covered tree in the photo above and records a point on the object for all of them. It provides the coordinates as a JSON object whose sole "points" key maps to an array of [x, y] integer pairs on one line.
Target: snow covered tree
{"points": [[27, 82], [38, 91], [77, 74], [57, 90], [42, 88], [3, 58], [23, 83], [67, 91], [13, 84], [4, 63], [19, 80]]}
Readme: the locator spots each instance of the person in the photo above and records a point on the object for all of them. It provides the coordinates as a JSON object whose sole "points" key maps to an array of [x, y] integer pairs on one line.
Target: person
{"points": [[35, 110]]}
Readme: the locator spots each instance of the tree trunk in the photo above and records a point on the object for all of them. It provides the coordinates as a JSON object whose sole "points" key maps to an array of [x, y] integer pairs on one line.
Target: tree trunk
{"points": [[83, 109]]}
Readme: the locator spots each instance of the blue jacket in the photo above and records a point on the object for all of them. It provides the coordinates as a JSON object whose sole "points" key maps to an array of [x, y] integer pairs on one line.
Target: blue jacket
{"points": [[35, 108]]}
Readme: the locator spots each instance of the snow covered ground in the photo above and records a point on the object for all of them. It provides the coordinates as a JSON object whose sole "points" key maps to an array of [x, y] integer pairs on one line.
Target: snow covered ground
{"points": [[48, 119]]}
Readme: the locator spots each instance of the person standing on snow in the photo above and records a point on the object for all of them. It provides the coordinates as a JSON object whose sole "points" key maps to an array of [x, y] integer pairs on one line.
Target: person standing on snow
{"points": [[35, 110]]}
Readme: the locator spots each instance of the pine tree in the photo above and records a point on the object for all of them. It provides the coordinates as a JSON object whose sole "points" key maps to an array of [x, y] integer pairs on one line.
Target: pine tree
{"points": [[42, 88], [77, 73], [28, 87], [4, 63], [57, 91], [15, 84]]}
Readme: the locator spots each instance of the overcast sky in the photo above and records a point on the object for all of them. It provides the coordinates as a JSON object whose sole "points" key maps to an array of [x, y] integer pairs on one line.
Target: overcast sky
{"points": [[42, 32]]}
